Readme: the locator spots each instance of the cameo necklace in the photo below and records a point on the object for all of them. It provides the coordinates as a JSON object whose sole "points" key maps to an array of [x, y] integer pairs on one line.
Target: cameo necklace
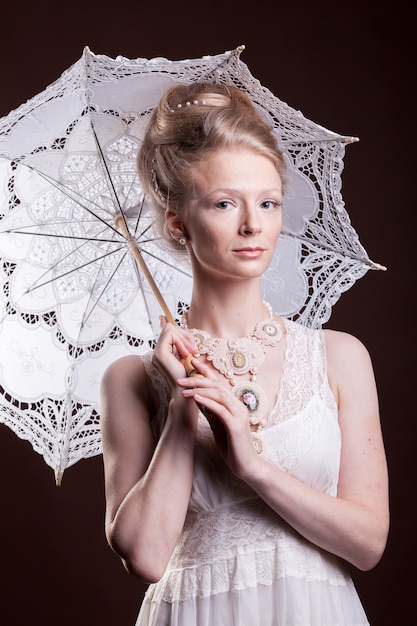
{"points": [[237, 357]]}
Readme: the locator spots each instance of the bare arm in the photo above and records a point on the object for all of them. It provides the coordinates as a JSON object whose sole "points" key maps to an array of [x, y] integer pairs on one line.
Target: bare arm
{"points": [[353, 525], [147, 487]]}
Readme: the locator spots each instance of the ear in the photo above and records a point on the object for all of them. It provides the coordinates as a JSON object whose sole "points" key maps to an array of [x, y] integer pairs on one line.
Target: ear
{"points": [[174, 225]]}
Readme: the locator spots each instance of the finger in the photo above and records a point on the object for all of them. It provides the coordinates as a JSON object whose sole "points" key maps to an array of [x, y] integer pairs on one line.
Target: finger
{"points": [[211, 395], [214, 400], [201, 368], [185, 347], [183, 341], [196, 381], [162, 321], [190, 367], [196, 368]]}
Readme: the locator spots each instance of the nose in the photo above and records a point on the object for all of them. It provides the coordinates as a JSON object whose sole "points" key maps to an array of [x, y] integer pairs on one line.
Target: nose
{"points": [[251, 222]]}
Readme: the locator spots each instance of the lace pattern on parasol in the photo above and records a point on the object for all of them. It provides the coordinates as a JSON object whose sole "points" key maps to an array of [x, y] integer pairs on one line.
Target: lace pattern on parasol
{"points": [[68, 174]]}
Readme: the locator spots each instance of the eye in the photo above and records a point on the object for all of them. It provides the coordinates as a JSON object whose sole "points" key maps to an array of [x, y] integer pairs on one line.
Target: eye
{"points": [[223, 204], [271, 204]]}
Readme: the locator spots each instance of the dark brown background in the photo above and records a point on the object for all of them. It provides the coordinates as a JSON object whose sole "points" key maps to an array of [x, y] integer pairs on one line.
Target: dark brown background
{"points": [[348, 66]]}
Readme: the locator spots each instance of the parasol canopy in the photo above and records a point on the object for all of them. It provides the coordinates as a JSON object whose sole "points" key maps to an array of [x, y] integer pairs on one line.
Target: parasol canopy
{"points": [[83, 273]]}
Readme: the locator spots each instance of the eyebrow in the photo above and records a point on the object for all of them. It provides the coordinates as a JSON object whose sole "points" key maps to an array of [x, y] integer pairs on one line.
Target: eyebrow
{"points": [[237, 190]]}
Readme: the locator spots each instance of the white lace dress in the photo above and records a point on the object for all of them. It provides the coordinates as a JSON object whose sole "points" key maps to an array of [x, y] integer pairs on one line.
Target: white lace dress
{"points": [[237, 563]]}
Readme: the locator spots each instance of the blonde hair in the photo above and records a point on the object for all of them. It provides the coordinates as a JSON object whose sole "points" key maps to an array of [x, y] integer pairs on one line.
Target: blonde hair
{"points": [[190, 123]]}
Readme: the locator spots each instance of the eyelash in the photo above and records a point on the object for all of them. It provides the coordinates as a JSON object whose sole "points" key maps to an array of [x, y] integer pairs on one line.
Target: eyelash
{"points": [[275, 203], [219, 204]]}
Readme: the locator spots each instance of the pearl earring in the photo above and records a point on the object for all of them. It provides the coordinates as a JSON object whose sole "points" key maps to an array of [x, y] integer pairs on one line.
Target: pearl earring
{"points": [[183, 240]]}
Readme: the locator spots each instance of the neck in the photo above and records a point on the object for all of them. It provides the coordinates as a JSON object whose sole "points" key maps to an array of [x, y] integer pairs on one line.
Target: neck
{"points": [[227, 310]]}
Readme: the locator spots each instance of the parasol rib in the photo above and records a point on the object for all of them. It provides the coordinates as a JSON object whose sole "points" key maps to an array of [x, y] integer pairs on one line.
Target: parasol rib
{"points": [[133, 248], [120, 222], [350, 255]]}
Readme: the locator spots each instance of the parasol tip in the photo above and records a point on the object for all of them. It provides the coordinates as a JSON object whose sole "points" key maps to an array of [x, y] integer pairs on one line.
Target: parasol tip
{"points": [[58, 477], [238, 51], [351, 139], [378, 266], [86, 50]]}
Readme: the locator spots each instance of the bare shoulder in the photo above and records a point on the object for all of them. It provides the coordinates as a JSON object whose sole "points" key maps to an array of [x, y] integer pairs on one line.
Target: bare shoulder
{"points": [[343, 348], [127, 370], [348, 361], [125, 384]]}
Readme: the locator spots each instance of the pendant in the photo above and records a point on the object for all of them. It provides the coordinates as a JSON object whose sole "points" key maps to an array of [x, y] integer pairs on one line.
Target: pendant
{"points": [[254, 398], [235, 356], [239, 360]]}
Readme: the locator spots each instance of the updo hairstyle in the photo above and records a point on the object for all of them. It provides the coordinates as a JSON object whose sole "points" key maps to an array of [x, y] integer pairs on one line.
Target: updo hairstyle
{"points": [[186, 127]]}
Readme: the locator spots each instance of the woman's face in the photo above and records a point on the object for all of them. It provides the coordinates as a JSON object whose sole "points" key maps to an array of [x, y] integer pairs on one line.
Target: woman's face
{"points": [[233, 216]]}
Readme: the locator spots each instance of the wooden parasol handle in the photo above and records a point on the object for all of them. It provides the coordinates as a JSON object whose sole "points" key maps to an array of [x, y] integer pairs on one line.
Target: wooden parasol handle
{"points": [[137, 255]]}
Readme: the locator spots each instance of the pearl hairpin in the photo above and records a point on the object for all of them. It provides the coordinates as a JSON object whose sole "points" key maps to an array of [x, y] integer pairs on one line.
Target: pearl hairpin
{"points": [[188, 103]]}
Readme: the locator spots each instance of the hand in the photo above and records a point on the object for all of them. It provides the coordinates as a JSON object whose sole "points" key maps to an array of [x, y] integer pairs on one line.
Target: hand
{"points": [[174, 346], [227, 416]]}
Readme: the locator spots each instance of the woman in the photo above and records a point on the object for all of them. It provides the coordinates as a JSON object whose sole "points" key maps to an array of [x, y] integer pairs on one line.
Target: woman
{"points": [[239, 493]]}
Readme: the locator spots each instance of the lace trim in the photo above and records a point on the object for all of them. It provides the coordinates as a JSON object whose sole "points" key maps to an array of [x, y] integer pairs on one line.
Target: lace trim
{"points": [[304, 373], [207, 560], [241, 572]]}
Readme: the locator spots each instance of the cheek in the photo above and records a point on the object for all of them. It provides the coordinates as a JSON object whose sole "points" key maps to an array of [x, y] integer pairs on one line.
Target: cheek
{"points": [[273, 228], [279, 225], [206, 235]]}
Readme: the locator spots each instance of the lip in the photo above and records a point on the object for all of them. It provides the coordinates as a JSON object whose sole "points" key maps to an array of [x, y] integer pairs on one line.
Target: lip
{"points": [[249, 252]]}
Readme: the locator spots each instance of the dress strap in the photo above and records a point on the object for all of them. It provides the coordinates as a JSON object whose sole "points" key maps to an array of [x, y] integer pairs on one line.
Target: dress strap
{"points": [[305, 370]]}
